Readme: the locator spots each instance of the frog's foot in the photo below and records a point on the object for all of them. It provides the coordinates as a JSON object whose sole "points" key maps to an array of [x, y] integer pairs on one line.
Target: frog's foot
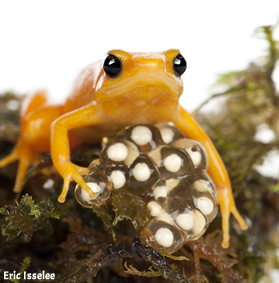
{"points": [[227, 206], [24, 153], [71, 172]]}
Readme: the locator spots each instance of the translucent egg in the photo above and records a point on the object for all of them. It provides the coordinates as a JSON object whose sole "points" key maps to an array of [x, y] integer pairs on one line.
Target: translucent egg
{"points": [[118, 151], [99, 184], [162, 235], [185, 221], [200, 225], [143, 174], [194, 150], [171, 162], [160, 190], [166, 169], [145, 137], [184, 194], [169, 133], [155, 208], [118, 179]]}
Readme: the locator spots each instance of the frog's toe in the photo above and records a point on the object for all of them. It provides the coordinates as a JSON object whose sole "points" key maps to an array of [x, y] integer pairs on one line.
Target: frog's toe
{"points": [[21, 172], [231, 208], [243, 225], [65, 190], [22, 168], [72, 174], [8, 159], [79, 180], [225, 242], [227, 207], [225, 212]]}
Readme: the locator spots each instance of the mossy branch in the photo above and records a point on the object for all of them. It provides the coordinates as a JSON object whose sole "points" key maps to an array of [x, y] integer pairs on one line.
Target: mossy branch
{"points": [[136, 249]]}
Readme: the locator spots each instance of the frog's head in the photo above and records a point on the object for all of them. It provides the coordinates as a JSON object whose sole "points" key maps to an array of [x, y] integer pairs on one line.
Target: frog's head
{"points": [[141, 87]]}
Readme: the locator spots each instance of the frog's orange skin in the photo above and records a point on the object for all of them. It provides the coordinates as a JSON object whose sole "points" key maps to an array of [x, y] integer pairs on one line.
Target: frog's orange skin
{"points": [[146, 92]]}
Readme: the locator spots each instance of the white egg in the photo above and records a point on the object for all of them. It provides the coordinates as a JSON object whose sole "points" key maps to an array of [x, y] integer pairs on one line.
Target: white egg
{"points": [[164, 237], [185, 221], [118, 179], [199, 223], [118, 152], [141, 172], [196, 156], [160, 191], [202, 186], [167, 135], [154, 208], [141, 135], [205, 205], [94, 187], [173, 163], [165, 217]]}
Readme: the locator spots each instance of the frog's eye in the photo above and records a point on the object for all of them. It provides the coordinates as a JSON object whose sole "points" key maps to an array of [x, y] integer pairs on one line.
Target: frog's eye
{"points": [[179, 65], [112, 66]]}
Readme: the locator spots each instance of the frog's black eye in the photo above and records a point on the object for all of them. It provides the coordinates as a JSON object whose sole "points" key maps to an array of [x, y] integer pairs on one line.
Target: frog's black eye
{"points": [[112, 66], [179, 65]]}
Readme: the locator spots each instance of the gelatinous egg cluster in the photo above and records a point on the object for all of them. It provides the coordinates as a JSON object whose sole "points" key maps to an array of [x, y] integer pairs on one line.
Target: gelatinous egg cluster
{"points": [[168, 170]]}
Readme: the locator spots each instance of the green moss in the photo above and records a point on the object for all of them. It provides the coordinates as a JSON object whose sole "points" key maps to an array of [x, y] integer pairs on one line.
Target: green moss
{"points": [[24, 266], [23, 218], [131, 207]]}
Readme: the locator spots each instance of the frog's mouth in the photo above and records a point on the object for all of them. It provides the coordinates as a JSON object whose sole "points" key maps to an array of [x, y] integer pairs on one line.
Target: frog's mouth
{"points": [[142, 88], [145, 103]]}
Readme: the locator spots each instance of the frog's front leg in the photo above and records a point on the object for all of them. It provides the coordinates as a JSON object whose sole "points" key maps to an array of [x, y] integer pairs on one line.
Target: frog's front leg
{"points": [[60, 150], [216, 169]]}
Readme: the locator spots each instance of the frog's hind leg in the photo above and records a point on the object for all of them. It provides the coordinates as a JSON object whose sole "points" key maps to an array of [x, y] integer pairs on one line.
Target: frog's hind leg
{"points": [[216, 170], [22, 151], [35, 120]]}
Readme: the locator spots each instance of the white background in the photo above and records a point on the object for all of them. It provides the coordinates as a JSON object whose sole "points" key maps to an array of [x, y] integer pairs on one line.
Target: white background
{"points": [[44, 44]]}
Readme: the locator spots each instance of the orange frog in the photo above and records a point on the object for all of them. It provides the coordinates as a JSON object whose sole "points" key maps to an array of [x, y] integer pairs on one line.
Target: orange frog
{"points": [[125, 88]]}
